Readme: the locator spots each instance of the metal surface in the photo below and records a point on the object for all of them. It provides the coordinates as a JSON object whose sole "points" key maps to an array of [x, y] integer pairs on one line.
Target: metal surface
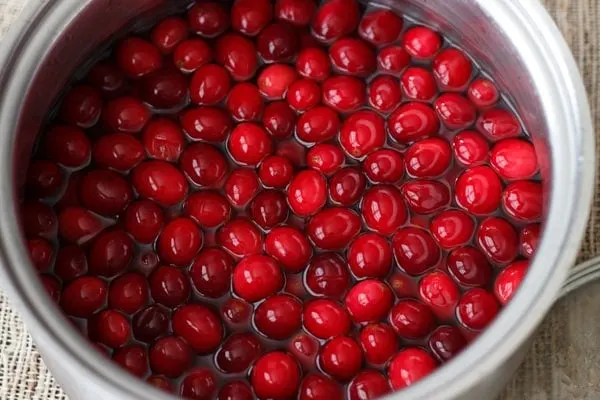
{"points": [[515, 41]]}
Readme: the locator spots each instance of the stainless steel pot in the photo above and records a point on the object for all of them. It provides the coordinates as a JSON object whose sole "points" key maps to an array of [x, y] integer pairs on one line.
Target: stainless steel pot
{"points": [[515, 40]]}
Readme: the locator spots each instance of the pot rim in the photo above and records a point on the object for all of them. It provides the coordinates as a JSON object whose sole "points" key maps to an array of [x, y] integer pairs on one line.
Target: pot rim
{"points": [[561, 89]]}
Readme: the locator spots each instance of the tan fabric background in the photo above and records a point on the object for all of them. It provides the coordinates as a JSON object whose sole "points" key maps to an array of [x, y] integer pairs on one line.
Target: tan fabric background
{"points": [[564, 363]]}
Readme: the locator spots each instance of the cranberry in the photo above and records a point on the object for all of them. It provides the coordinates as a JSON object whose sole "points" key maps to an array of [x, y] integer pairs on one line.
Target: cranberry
{"points": [[425, 196], [289, 247], [275, 80], [138, 57], [67, 145], [236, 312], [498, 123], [383, 209], [150, 323], [384, 93], [238, 352], [81, 106], [325, 158], [211, 272], [307, 193], [470, 148], [294, 285], [256, 277], [200, 383], [303, 94], [333, 228], [305, 349], [164, 89], [384, 166], [126, 114], [170, 356], [428, 158], [523, 200], [455, 111], [168, 33], [409, 366], [119, 151], [452, 228], [84, 296], [369, 301], [379, 343], [250, 17], [206, 123], [412, 319], [313, 63], [41, 253], [143, 220], [208, 19], [278, 42], [368, 384], [111, 253], [77, 225], [293, 150], [146, 261], [159, 181], [169, 286], [275, 375], [476, 309], [109, 328], [508, 281], [380, 27], [440, 293], [318, 125], [70, 263], [393, 59], [133, 358], [483, 93], [479, 190], [278, 317], [341, 358], [70, 197], [514, 159], [279, 119], [327, 275], [163, 140], [52, 287], [199, 326], [418, 84], [469, 267], [528, 239], [240, 237], [106, 76], [296, 12], [403, 285], [276, 171], [204, 164], [236, 390], [446, 342], [241, 186], [415, 250], [210, 84], [244, 102], [362, 133], [346, 186], [237, 54], [335, 18], [208, 208], [180, 241], [269, 209], [498, 240], [344, 93], [325, 319], [421, 42], [369, 256], [128, 293], [44, 178], [452, 69], [352, 56], [191, 54], [319, 387], [413, 121], [105, 192], [249, 144]]}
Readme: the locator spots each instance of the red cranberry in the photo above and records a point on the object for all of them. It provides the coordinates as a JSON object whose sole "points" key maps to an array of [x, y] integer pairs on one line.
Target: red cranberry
{"points": [[446, 342], [469, 267], [418, 84], [528, 239], [411, 319], [204, 164], [425, 196], [383, 209], [352, 56], [275, 375], [236, 390], [341, 358], [318, 125], [210, 84], [200, 383], [144, 221], [160, 383], [508, 281], [325, 319], [237, 54], [380, 27], [335, 18], [84, 296], [421, 42], [307, 193], [81, 106], [206, 123], [119, 151], [146, 261], [476, 309], [305, 349], [369, 301], [498, 240], [67, 145], [179, 242], [106, 76], [241, 186], [403, 285], [52, 287], [296, 12], [346, 186], [256, 277], [278, 317], [133, 358], [440, 293], [333, 228], [276, 171], [293, 150], [169, 286], [514, 159], [191, 54], [110, 328], [168, 33], [369, 256], [379, 343], [164, 89], [452, 228], [294, 285], [325, 158], [344, 93], [111, 253], [384, 93], [269, 209], [384, 166], [44, 178], [413, 121], [483, 93], [498, 123], [289, 247], [523, 200], [199, 326], [327, 275], [159, 181], [479, 190], [208, 19], [303, 94], [455, 111], [211, 272], [236, 312], [128, 293], [409, 366], [393, 59], [238, 353], [250, 17], [278, 42], [150, 323], [126, 114], [105, 192], [415, 250], [138, 57], [313, 63], [208, 208], [275, 80], [244, 102], [452, 69], [362, 133], [368, 384], [163, 140], [249, 144], [428, 158], [70, 263], [470, 148], [319, 387], [279, 119], [240, 237], [77, 225], [170, 356]]}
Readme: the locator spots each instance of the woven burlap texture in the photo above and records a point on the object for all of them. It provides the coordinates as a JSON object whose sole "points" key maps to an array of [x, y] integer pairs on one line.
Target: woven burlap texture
{"points": [[564, 362]]}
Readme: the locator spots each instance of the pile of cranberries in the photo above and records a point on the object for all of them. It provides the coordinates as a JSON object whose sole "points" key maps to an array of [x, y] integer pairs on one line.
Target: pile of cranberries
{"points": [[283, 201]]}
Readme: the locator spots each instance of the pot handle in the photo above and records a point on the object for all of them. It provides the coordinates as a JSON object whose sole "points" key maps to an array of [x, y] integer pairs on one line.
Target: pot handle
{"points": [[581, 275]]}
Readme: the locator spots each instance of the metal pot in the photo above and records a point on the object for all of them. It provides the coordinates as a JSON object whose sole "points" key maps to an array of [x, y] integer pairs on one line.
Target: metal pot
{"points": [[515, 41]]}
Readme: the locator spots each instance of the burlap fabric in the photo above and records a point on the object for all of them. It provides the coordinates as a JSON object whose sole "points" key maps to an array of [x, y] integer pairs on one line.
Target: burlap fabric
{"points": [[564, 363]]}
